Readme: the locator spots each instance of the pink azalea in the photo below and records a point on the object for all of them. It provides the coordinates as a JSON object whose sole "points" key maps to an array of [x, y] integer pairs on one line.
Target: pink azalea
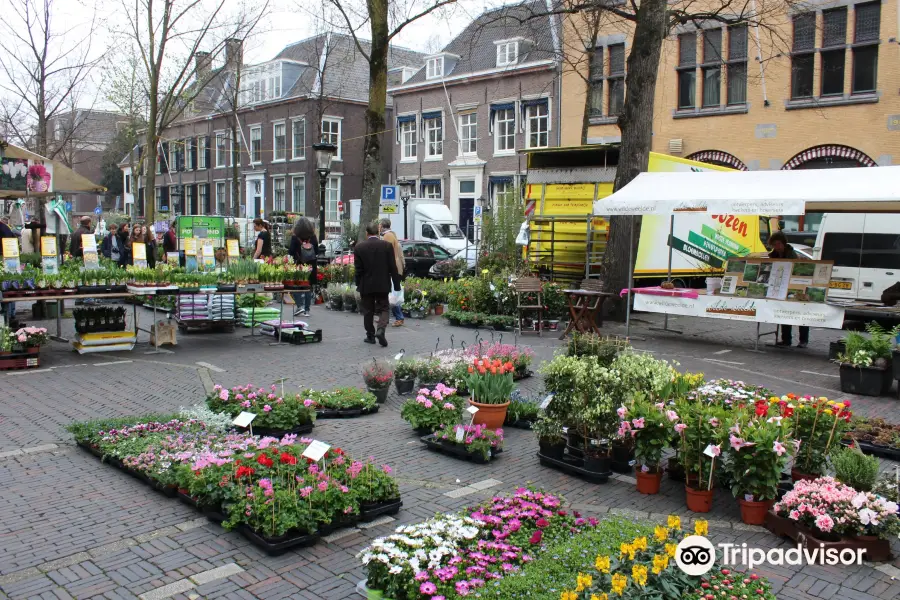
{"points": [[824, 523], [308, 402], [267, 408], [671, 415], [638, 423], [778, 448], [680, 427]]}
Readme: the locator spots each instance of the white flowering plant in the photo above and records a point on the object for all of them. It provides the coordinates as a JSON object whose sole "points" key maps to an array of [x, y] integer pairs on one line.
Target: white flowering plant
{"points": [[215, 422]]}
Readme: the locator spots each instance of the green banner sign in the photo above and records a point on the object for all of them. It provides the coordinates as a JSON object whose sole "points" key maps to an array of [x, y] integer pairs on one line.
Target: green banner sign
{"points": [[697, 253], [726, 242], [701, 242], [210, 228]]}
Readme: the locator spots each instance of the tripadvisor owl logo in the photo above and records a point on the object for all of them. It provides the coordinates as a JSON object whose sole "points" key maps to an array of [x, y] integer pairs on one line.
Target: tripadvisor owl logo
{"points": [[695, 555]]}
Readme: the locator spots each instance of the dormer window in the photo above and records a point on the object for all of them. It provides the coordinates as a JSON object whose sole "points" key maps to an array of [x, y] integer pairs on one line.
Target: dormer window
{"points": [[507, 53], [434, 67]]}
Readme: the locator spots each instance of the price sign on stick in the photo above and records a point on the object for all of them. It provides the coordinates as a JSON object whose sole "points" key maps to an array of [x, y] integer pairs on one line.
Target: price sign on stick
{"points": [[11, 255], [316, 451], [190, 246], [233, 249], [460, 434], [244, 420], [472, 410]]}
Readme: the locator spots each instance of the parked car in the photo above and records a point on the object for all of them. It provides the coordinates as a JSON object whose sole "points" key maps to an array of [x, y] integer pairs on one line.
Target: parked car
{"points": [[331, 249], [466, 259], [419, 256]]}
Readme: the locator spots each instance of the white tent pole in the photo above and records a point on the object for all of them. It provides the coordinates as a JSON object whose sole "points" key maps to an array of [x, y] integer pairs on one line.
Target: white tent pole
{"points": [[630, 277]]}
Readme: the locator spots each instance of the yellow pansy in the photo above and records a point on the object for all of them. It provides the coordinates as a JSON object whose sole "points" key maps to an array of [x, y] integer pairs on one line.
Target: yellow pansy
{"points": [[640, 543], [661, 533], [567, 595], [660, 562], [619, 582], [639, 574], [583, 581], [625, 548], [671, 549], [602, 564], [674, 522], [701, 527]]}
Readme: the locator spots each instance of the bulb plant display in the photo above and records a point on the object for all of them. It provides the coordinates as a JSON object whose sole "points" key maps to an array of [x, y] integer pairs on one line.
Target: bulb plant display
{"points": [[262, 483], [490, 381], [273, 412], [520, 357], [476, 439], [432, 408]]}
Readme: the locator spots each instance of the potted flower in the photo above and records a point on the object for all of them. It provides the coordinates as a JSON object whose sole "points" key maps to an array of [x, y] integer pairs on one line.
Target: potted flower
{"points": [[430, 372], [405, 371], [551, 439], [491, 383], [760, 449], [702, 430], [819, 424], [432, 408], [865, 363], [650, 425], [378, 375], [477, 441]]}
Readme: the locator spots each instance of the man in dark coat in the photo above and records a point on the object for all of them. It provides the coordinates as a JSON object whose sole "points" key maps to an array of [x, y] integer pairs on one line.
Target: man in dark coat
{"points": [[84, 228], [781, 249], [376, 269]]}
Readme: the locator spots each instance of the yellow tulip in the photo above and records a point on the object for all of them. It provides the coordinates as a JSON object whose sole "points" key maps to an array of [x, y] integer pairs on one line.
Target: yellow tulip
{"points": [[701, 527], [602, 564]]}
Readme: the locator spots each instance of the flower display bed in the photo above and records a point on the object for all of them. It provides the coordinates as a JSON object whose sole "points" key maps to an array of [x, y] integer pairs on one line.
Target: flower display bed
{"points": [[341, 403], [263, 487], [876, 437], [877, 550], [574, 466], [465, 449], [275, 415]]}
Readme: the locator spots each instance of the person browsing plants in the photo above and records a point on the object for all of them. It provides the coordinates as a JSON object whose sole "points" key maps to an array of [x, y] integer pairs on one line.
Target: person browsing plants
{"points": [[375, 271]]}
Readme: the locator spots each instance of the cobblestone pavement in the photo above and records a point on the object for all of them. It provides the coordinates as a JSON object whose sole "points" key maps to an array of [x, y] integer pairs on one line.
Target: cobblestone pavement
{"points": [[73, 527]]}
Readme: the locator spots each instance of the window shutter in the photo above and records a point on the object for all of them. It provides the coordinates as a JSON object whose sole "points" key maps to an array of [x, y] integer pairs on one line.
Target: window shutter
{"points": [[192, 148], [207, 210], [207, 154]]}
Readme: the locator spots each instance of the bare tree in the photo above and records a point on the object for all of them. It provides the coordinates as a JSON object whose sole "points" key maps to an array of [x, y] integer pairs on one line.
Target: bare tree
{"points": [[168, 33], [45, 66], [386, 20]]}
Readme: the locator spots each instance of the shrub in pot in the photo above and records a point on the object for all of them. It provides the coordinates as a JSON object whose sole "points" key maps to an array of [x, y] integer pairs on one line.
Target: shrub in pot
{"points": [[378, 375], [760, 447], [650, 426], [702, 430], [819, 424], [405, 371], [853, 468], [551, 440], [865, 363]]}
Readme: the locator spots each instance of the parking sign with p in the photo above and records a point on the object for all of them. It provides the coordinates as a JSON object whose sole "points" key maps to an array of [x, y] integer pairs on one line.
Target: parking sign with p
{"points": [[389, 196]]}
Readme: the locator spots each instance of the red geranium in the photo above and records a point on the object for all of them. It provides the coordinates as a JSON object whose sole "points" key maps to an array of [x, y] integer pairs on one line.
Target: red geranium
{"points": [[265, 460], [244, 472], [288, 459]]}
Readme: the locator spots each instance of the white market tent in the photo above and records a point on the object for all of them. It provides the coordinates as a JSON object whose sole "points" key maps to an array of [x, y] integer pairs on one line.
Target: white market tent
{"points": [[874, 189]]}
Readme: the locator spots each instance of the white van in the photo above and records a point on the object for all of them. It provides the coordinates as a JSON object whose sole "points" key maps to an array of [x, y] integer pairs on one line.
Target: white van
{"points": [[865, 249]]}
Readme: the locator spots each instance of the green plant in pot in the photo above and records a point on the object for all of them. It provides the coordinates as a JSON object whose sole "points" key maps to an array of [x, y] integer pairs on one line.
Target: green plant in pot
{"points": [[378, 375], [649, 425], [702, 429], [855, 469], [551, 439], [405, 371], [430, 372], [761, 447], [819, 424]]}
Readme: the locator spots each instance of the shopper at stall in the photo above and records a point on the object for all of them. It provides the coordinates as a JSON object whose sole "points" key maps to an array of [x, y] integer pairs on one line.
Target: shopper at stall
{"points": [[137, 236], [9, 308], [303, 249], [391, 238], [170, 239], [150, 240], [84, 228], [781, 249], [263, 247], [124, 233], [376, 269], [111, 247]]}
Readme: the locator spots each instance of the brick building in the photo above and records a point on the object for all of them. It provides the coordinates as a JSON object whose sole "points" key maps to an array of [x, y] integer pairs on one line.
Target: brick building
{"points": [[818, 87], [314, 89], [462, 118]]}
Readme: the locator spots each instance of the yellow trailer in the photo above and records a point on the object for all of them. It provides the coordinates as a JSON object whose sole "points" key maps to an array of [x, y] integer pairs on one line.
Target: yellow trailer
{"points": [[566, 240]]}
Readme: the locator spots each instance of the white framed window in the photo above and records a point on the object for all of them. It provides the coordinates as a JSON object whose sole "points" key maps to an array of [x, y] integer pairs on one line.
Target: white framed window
{"points": [[468, 134], [298, 139], [537, 123], [298, 194], [278, 188], [255, 145], [331, 133], [279, 141], [160, 202], [431, 190], [434, 137], [332, 197], [189, 148], [507, 53], [201, 153], [502, 192], [505, 131], [220, 197], [409, 142], [221, 150], [434, 67]]}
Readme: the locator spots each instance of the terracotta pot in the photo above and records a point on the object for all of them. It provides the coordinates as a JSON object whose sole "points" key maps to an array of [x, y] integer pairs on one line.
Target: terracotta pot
{"points": [[698, 501], [648, 483], [33, 350], [438, 309], [491, 416], [801, 476], [754, 513]]}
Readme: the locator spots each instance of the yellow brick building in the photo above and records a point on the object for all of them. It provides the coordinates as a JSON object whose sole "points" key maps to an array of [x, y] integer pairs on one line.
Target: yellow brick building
{"points": [[815, 87]]}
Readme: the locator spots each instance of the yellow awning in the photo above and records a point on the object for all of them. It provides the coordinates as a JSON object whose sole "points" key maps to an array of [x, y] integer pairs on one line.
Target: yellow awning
{"points": [[64, 180]]}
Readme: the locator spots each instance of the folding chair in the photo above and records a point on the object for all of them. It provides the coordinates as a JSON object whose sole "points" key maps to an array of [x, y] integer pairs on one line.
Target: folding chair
{"points": [[525, 286]]}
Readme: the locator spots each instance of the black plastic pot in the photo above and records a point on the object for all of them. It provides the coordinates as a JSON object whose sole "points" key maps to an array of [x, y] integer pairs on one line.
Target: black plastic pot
{"points": [[835, 348], [404, 386], [281, 544], [621, 459], [599, 464], [895, 364], [371, 510], [380, 394], [866, 381], [552, 450]]}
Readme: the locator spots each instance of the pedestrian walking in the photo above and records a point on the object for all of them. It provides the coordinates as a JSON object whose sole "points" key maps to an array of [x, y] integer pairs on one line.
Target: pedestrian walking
{"points": [[376, 269], [84, 228], [781, 249], [391, 238], [304, 250]]}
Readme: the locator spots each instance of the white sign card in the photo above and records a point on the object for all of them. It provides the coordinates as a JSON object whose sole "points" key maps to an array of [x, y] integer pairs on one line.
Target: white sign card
{"points": [[244, 419], [316, 450], [460, 433], [710, 451], [472, 410], [546, 402]]}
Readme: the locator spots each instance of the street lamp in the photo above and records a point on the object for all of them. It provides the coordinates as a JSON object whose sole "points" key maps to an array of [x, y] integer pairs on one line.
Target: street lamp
{"points": [[406, 187], [324, 153]]}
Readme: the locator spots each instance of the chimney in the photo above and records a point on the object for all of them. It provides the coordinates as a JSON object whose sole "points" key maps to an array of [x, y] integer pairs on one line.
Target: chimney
{"points": [[202, 64], [234, 53]]}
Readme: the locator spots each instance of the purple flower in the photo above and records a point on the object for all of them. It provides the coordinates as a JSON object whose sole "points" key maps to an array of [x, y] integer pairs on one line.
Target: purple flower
{"points": [[462, 588], [428, 588], [422, 576]]}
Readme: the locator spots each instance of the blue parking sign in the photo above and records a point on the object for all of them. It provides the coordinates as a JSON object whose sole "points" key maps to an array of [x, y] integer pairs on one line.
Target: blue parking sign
{"points": [[389, 193], [98, 210]]}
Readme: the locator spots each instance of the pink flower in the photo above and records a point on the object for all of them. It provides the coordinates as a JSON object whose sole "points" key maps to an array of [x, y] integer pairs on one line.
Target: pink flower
{"points": [[737, 443], [323, 485], [245, 404], [680, 427], [22, 338], [714, 422], [223, 395], [778, 448], [622, 411], [638, 423], [267, 408], [387, 469], [716, 450], [308, 402], [794, 515], [462, 588], [424, 391], [671, 415], [428, 588], [305, 492], [824, 523], [422, 576], [449, 406], [428, 404]]}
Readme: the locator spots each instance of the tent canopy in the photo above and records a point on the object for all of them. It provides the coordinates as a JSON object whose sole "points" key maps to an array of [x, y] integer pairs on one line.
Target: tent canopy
{"points": [[758, 192], [64, 180]]}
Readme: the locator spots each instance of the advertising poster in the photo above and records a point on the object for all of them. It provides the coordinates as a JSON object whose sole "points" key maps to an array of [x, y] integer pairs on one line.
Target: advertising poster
{"points": [[49, 255], [139, 254], [794, 280], [11, 255]]}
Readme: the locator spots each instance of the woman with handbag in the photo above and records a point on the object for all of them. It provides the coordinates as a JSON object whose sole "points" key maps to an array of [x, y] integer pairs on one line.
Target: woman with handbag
{"points": [[304, 250]]}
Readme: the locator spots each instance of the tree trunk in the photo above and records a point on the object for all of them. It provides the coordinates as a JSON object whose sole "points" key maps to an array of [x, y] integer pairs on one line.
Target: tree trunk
{"points": [[375, 123], [636, 124], [586, 118], [150, 179], [235, 175]]}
